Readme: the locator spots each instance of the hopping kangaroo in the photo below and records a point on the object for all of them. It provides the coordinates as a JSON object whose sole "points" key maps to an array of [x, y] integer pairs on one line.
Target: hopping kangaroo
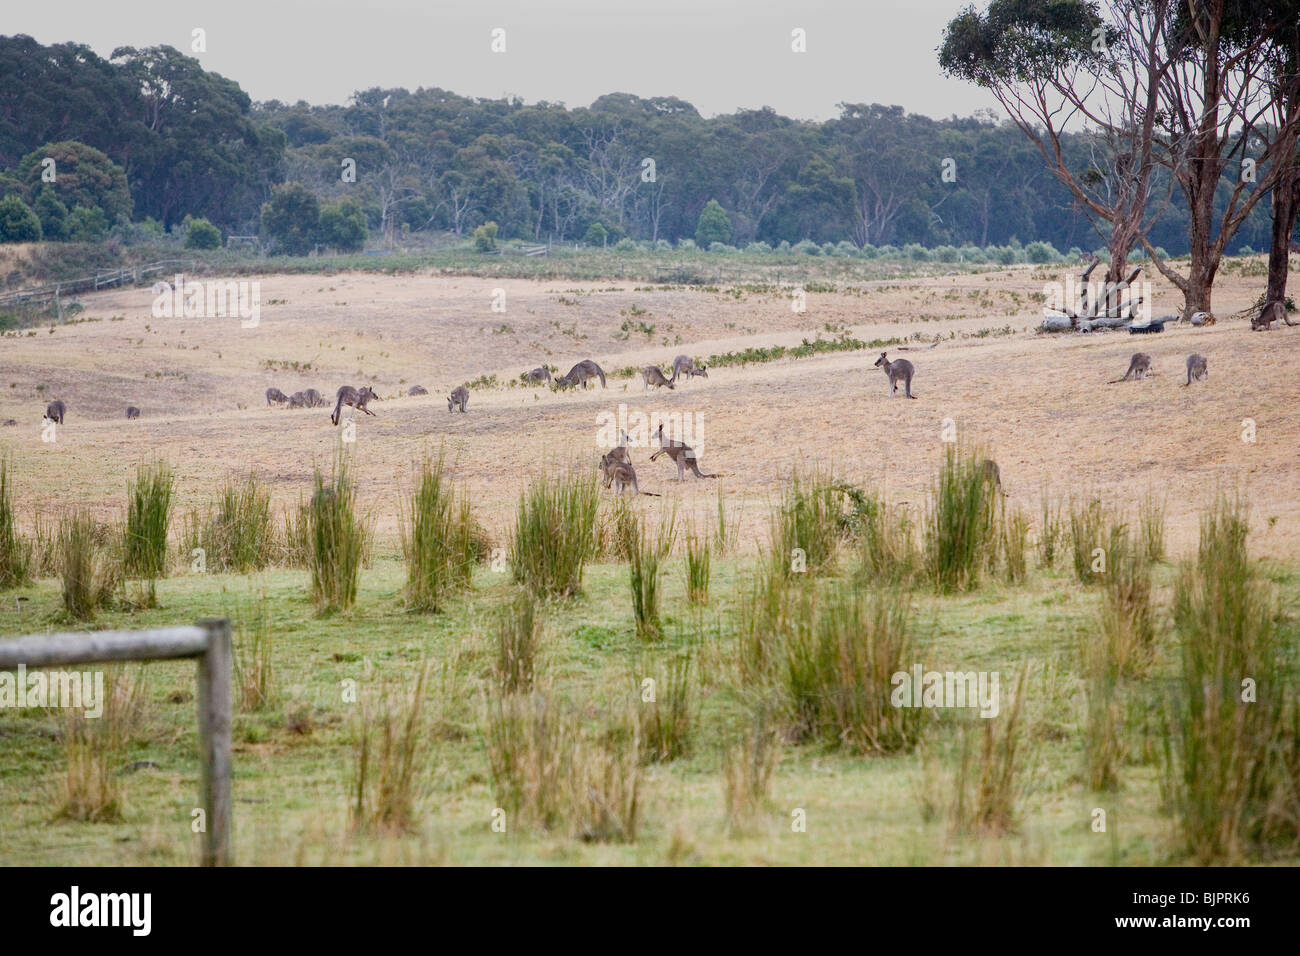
{"points": [[55, 411], [679, 452], [899, 370], [620, 473], [652, 375], [1197, 369], [580, 374], [357, 399], [458, 398], [276, 396], [1139, 366], [685, 365]]}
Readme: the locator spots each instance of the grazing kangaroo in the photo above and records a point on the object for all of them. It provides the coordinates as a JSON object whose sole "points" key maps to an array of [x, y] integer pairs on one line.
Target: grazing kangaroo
{"points": [[538, 375], [1274, 311], [316, 400], [992, 474], [276, 396], [651, 375], [459, 397], [132, 412], [417, 390], [1197, 369], [621, 475], [896, 371], [685, 365], [679, 452], [55, 411], [1139, 366], [580, 374], [298, 400], [356, 399]]}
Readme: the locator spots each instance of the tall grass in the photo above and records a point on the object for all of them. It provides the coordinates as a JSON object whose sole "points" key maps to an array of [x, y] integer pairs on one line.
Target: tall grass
{"points": [[90, 566], [989, 787], [643, 575], [810, 521], [148, 518], [697, 569], [1014, 545], [438, 540], [725, 532], [838, 652], [1051, 532], [1151, 521], [391, 754], [238, 534], [1128, 633], [960, 528], [748, 763], [886, 540], [1232, 748], [338, 539], [95, 749], [554, 535], [15, 553], [668, 721], [255, 659], [518, 637], [1086, 527]]}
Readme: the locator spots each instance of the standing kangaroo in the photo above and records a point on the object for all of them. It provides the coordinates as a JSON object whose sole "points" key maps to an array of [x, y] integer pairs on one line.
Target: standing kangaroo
{"points": [[458, 398], [679, 452], [55, 411], [685, 365], [357, 399], [651, 375], [1197, 369], [620, 473], [899, 370], [1139, 366], [580, 374], [276, 396]]}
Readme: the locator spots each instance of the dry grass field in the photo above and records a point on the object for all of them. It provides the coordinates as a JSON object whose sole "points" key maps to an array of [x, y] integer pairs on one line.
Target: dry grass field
{"points": [[1039, 404]]}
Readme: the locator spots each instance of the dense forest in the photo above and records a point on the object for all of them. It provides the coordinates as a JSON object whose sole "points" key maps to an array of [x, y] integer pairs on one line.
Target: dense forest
{"points": [[150, 137]]}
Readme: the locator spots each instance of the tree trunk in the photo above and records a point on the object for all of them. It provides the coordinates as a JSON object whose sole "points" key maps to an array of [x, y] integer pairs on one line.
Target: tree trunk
{"points": [[1286, 201]]}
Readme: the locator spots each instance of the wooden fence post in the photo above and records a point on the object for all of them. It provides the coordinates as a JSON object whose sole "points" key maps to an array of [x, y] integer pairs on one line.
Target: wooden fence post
{"points": [[215, 678]]}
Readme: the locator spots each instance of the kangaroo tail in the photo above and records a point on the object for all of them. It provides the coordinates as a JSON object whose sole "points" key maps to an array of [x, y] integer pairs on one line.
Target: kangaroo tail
{"points": [[602, 379], [338, 407], [652, 494]]}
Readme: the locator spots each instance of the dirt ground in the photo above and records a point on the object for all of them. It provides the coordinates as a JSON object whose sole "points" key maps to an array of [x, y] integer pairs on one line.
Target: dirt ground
{"points": [[1040, 405]]}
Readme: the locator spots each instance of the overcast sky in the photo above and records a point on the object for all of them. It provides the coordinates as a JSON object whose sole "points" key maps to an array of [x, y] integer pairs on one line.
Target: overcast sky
{"points": [[720, 55]]}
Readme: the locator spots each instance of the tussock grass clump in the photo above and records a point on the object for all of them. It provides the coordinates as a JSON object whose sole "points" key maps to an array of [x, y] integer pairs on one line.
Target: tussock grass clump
{"points": [[668, 720], [295, 549], [988, 787], [555, 534], [238, 534], [392, 754], [809, 523], [1014, 545], [1127, 617], [338, 540], [960, 528], [1232, 746], [148, 518], [697, 569], [886, 540], [91, 568], [255, 659], [838, 653], [15, 553], [518, 637], [748, 763], [726, 530], [438, 540], [620, 529], [1086, 526], [45, 560], [643, 576], [95, 749], [1151, 521], [1051, 532], [549, 773]]}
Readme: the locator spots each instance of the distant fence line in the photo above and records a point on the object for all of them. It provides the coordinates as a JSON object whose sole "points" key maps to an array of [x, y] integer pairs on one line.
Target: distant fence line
{"points": [[209, 643], [52, 291]]}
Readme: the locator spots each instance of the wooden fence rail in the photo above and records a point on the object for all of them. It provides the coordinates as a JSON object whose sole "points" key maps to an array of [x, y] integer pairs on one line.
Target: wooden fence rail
{"points": [[208, 642], [133, 275]]}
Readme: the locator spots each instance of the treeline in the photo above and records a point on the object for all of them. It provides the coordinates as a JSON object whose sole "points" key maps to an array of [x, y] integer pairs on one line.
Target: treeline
{"points": [[150, 138]]}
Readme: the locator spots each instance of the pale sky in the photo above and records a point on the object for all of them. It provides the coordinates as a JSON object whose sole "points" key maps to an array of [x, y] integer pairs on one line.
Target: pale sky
{"points": [[720, 55]]}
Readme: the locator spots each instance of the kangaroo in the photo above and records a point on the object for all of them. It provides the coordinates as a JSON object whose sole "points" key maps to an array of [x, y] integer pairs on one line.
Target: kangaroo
{"points": [[356, 399], [538, 375], [580, 374], [685, 365], [315, 399], [992, 474], [132, 412], [1139, 366], [896, 371], [459, 397], [55, 411], [298, 400], [1274, 311], [620, 473], [276, 396], [1197, 369], [417, 390], [651, 375], [679, 452]]}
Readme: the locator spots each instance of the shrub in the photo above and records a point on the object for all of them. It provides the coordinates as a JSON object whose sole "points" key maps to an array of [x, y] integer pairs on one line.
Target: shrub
{"points": [[1041, 253], [17, 221], [758, 247], [945, 253], [807, 247], [485, 237], [916, 252], [625, 245], [201, 234], [596, 235], [713, 225], [343, 226]]}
